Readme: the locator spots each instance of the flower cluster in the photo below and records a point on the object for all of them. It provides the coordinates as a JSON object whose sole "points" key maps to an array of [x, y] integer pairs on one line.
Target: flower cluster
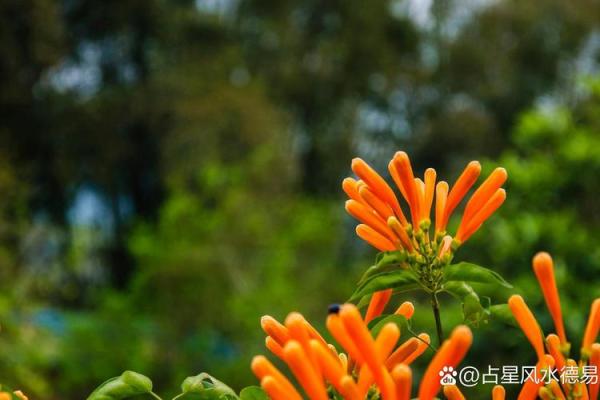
{"points": [[383, 223], [385, 226], [556, 344], [367, 367]]}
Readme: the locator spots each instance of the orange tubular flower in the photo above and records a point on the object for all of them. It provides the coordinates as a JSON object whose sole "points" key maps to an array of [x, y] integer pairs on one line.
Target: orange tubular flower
{"points": [[595, 361], [274, 347], [450, 354], [498, 393], [318, 364], [531, 388], [424, 341], [403, 352], [441, 196], [374, 238], [485, 192], [406, 309], [402, 376], [374, 203], [403, 169], [377, 304], [528, 324], [358, 331], [592, 327], [544, 272], [304, 370], [452, 393], [263, 368], [460, 189], [274, 329], [553, 346], [378, 185], [472, 225]]}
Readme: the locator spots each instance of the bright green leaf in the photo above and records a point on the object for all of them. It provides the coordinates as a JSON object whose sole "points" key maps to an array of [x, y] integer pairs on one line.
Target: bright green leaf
{"points": [[129, 384], [399, 280], [468, 272], [502, 313], [253, 393], [385, 262]]}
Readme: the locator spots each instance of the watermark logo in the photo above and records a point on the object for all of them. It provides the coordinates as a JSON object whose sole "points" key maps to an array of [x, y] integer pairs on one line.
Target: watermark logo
{"points": [[470, 376], [448, 376]]}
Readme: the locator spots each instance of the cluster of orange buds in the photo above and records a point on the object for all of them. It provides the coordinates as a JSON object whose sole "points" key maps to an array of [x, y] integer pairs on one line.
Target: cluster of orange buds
{"points": [[367, 368], [556, 344], [383, 222]]}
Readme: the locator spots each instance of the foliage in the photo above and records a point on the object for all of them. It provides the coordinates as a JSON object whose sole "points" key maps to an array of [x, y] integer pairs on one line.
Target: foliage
{"points": [[211, 138]]}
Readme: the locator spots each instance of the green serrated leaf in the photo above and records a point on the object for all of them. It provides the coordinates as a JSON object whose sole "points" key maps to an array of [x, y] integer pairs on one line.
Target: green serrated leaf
{"points": [[473, 311], [253, 393], [208, 387], [379, 322], [129, 384], [468, 272], [400, 280]]}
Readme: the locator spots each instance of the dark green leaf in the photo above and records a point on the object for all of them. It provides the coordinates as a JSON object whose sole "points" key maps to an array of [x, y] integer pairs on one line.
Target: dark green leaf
{"points": [[253, 393], [467, 272], [379, 322], [129, 384], [401, 280]]}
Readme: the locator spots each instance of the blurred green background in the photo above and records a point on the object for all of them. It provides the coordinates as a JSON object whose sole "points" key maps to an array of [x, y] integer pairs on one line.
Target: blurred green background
{"points": [[170, 170]]}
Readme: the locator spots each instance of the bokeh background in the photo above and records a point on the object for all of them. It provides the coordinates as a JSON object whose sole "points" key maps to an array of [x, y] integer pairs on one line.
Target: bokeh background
{"points": [[170, 169]]}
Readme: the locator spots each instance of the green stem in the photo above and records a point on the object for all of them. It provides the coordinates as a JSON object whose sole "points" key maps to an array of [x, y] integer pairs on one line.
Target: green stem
{"points": [[157, 397], [435, 305]]}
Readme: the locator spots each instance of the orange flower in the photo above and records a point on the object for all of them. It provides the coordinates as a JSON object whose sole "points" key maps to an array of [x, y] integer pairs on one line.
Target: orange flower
{"points": [[303, 369], [318, 364], [452, 393], [544, 272], [553, 346], [374, 203], [472, 225], [402, 376], [450, 354], [377, 304], [557, 347], [528, 323], [378, 185], [531, 388], [498, 393], [460, 189], [406, 309], [595, 361], [591, 329]]}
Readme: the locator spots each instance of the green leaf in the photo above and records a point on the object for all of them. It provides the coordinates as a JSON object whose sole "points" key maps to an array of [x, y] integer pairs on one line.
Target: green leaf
{"points": [[468, 272], [207, 387], [385, 262], [473, 311], [253, 393], [378, 323], [129, 384], [501, 312], [400, 280]]}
